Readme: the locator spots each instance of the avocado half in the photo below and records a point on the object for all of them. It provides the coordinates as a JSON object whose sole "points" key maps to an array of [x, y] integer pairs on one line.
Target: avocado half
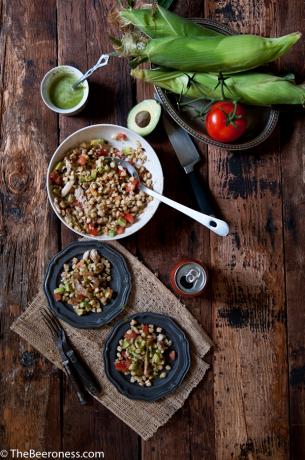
{"points": [[144, 117]]}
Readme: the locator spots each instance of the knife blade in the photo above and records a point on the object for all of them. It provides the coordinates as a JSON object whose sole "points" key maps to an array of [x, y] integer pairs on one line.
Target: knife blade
{"points": [[188, 157]]}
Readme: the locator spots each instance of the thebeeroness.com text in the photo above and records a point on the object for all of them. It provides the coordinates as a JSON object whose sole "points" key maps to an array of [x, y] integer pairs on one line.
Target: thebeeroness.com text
{"points": [[32, 453]]}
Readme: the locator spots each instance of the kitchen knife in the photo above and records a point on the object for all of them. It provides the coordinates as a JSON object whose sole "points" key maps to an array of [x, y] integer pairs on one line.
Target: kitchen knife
{"points": [[71, 374], [188, 156]]}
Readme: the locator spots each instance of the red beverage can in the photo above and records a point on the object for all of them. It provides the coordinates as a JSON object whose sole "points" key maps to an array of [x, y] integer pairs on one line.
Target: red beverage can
{"points": [[188, 278]]}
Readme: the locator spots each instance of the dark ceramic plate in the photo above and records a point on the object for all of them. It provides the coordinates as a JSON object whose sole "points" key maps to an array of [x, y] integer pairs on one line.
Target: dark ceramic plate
{"points": [[262, 120], [121, 284], [160, 387]]}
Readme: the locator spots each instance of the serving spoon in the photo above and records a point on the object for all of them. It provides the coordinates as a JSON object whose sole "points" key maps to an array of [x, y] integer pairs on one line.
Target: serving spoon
{"points": [[101, 62], [217, 226]]}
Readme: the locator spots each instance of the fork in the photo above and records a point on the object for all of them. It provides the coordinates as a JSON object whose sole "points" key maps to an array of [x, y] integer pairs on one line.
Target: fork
{"points": [[68, 367], [85, 375]]}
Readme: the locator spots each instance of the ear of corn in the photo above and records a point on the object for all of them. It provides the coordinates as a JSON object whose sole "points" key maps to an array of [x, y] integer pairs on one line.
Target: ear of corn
{"points": [[229, 54], [156, 22], [248, 87]]}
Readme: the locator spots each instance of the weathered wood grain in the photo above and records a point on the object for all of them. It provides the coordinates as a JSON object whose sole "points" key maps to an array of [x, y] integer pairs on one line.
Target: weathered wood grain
{"points": [[29, 394], [293, 179], [82, 38], [240, 410], [190, 433], [250, 364]]}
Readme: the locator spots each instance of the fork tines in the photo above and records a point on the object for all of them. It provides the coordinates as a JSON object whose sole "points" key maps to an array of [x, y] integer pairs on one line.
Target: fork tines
{"points": [[51, 322]]}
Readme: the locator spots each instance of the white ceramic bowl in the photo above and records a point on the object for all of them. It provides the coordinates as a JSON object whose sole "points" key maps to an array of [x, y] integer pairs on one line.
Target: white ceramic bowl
{"points": [[106, 132], [49, 78]]}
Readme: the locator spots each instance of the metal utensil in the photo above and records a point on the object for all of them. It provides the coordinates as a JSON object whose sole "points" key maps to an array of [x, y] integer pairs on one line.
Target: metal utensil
{"points": [[64, 359], [83, 373], [217, 226], [188, 157], [102, 61]]}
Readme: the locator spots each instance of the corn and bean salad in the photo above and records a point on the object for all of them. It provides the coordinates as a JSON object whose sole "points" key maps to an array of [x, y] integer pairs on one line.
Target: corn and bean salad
{"points": [[85, 283], [95, 196], [144, 354]]}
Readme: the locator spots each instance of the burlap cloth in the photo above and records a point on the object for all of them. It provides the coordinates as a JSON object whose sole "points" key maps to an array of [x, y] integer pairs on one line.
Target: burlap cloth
{"points": [[147, 294]]}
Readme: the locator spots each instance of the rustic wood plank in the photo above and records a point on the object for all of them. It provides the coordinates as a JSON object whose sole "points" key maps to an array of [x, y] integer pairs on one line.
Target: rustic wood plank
{"points": [[190, 433], [29, 394], [292, 160], [250, 364], [82, 35]]}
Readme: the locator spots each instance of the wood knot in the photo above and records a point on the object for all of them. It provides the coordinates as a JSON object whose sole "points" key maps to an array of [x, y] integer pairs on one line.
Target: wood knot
{"points": [[29, 358], [17, 181]]}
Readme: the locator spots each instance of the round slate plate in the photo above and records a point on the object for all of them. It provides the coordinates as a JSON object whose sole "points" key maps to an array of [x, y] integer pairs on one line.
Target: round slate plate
{"points": [[261, 120], [160, 387], [121, 284]]}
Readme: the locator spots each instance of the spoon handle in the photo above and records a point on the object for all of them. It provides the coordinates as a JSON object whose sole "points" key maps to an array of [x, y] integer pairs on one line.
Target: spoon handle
{"points": [[101, 62], [217, 226]]}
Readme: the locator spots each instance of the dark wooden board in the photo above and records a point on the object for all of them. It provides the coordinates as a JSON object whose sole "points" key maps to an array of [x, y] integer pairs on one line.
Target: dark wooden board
{"points": [[251, 404], [293, 178], [30, 388], [82, 38]]}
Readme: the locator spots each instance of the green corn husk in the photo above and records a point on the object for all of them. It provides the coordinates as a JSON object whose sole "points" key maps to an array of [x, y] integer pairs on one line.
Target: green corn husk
{"points": [[249, 87], [229, 54], [156, 22]]}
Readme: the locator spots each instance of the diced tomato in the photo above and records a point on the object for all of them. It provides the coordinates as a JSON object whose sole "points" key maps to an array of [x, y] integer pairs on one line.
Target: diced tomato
{"points": [[121, 137], [122, 172], [120, 230], [82, 159], [81, 263], [76, 203], [132, 335], [132, 185], [102, 152], [129, 217], [57, 296], [145, 329], [92, 230], [80, 297], [122, 366], [55, 177], [172, 355]]}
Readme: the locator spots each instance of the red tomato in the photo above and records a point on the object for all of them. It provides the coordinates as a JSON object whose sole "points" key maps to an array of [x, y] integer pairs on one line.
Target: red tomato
{"points": [[55, 177], [172, 355], [122, 172], [82, 159], [120, 230], [121, 137], [122, 366], [224, 122], [102, 152], [57, 296], [132, 335], [92, 230], [81, 263], [132, 185], [145, 329], [129, 217]]}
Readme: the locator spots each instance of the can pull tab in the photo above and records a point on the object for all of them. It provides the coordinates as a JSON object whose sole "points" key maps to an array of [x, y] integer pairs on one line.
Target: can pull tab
{"points": [[192, 276]]}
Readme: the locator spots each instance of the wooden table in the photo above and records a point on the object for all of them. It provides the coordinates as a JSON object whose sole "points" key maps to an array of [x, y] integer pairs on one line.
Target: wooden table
{"points": [[252, 403]]}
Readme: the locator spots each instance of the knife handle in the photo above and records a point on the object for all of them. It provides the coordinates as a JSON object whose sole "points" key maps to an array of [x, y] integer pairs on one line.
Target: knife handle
{"points": [[75, 384], [85, 375], [204, 201]]}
